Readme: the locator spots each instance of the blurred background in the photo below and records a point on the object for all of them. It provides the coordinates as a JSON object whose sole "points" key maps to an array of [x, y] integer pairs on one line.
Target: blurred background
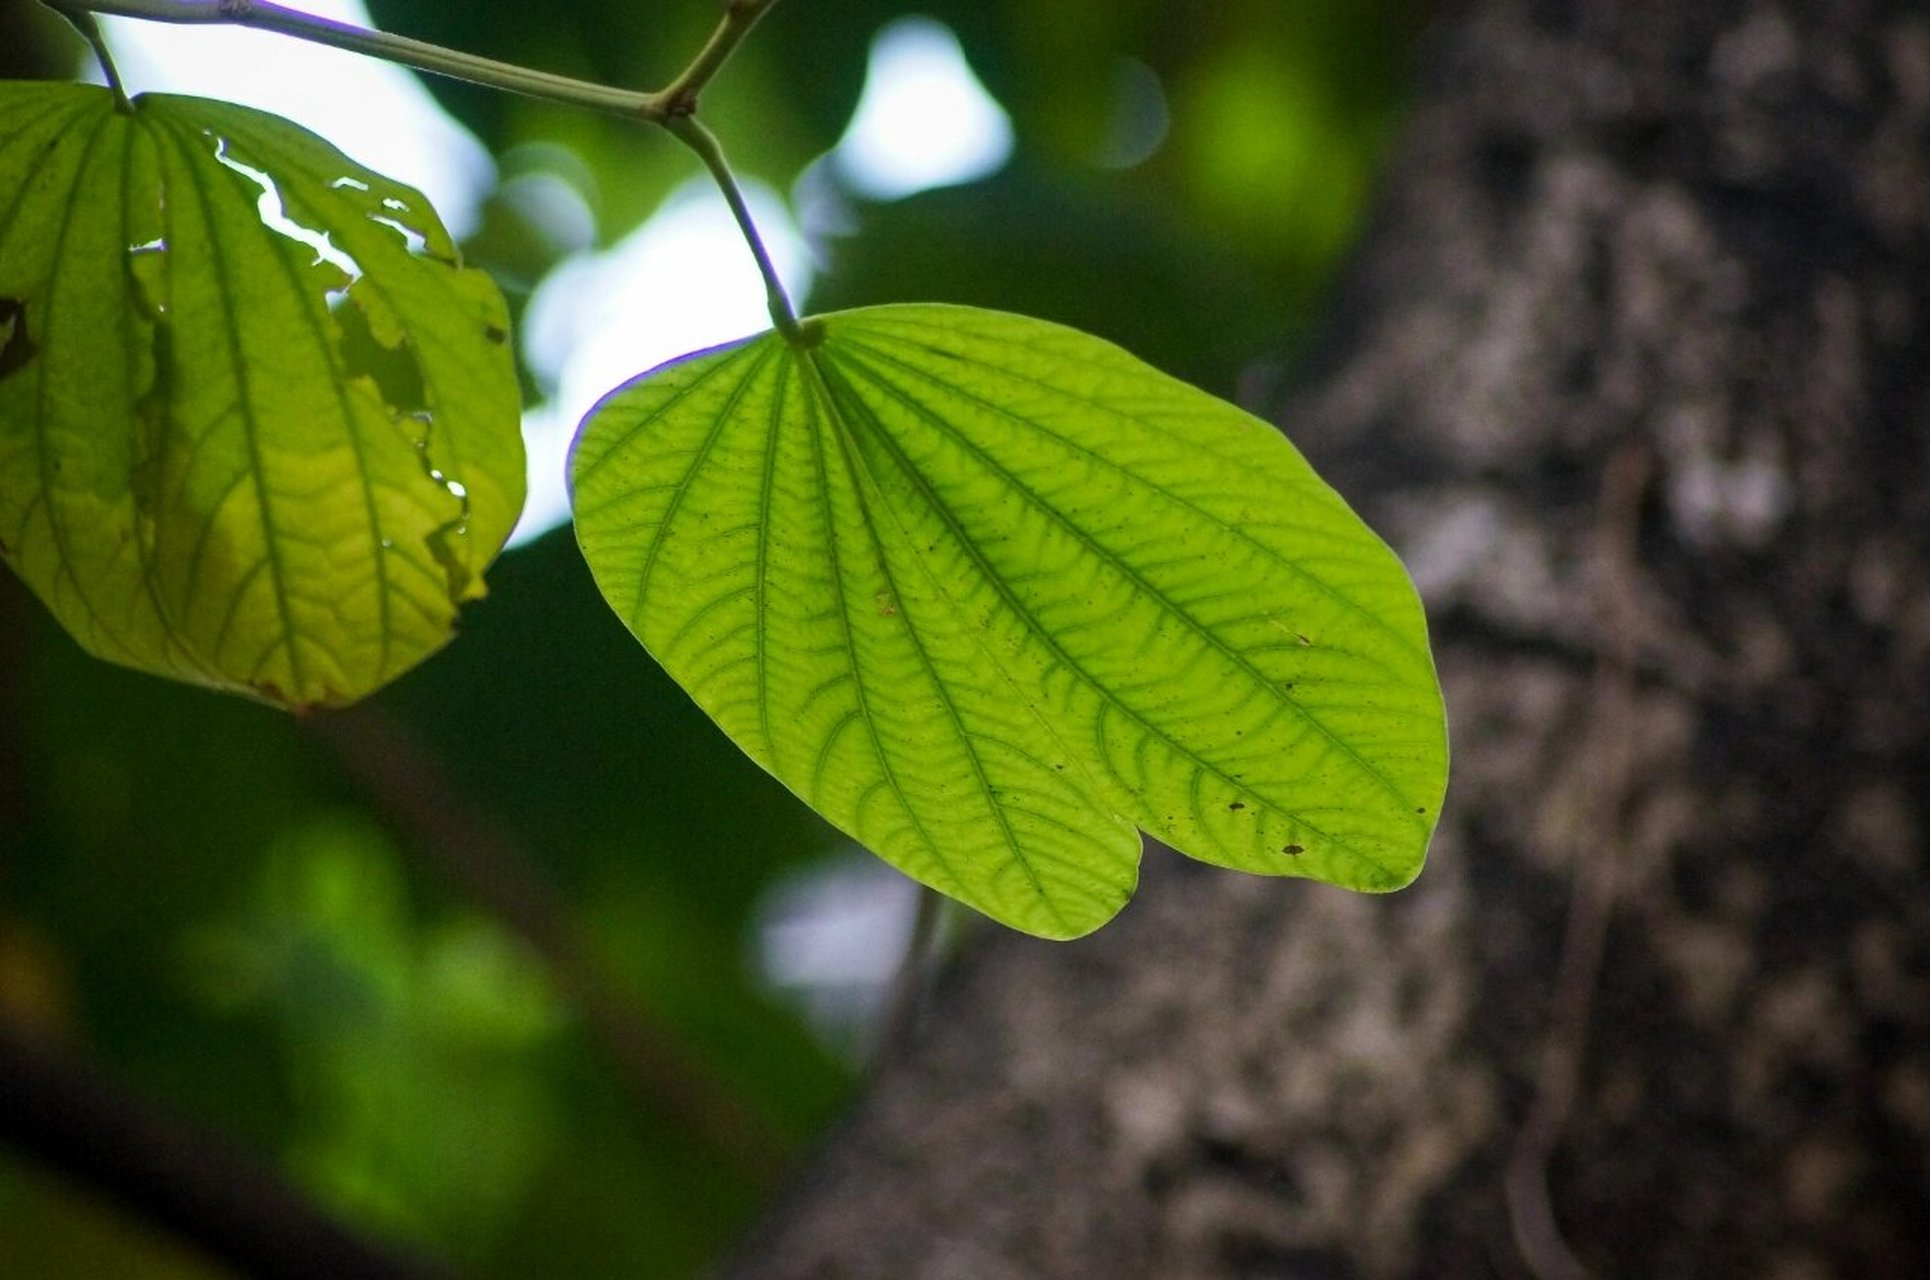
{"points": [[522, 963]]}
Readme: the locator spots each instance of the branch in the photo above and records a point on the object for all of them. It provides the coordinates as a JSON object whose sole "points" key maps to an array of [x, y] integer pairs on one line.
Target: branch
{"points": [[449, 831], [679, 97], [191, 1182], [260, 16]]}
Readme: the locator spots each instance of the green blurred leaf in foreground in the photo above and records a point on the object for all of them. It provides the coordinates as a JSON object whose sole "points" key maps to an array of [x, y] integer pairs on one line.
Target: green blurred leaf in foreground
{"points": [[258, 426], [989, 593]]}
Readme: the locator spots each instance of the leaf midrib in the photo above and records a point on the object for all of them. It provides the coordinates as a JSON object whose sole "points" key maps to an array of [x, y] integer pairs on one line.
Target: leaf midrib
{"points": [[277, 569], [850, 648], [862, 480], [760, 640], [44, 453]]}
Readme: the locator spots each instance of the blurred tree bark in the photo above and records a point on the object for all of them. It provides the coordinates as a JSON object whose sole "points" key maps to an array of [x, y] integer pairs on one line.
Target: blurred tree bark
{"points": [[1635, 368]]}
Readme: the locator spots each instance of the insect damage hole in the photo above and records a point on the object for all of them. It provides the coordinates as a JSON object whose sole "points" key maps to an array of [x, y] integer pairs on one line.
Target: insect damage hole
{"points": [[447, 542], [392, 368], [17, 350], [273, 212]]}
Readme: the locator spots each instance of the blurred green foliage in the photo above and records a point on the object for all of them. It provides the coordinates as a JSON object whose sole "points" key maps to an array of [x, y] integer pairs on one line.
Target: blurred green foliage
{"points": [[194, 891]]}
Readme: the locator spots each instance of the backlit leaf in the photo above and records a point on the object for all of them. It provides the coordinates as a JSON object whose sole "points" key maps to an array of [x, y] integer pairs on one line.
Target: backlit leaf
{"points": [[258, 426], [990, 593]]}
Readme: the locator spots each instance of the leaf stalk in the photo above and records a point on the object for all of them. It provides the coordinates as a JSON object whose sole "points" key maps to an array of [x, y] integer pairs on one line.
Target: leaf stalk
{"points": [[702, 141], [90, 30]]}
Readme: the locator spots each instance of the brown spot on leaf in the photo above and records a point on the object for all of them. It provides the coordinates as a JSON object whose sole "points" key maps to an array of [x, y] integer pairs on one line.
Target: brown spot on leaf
{"points": [[1292, 850], [1236, 806]]}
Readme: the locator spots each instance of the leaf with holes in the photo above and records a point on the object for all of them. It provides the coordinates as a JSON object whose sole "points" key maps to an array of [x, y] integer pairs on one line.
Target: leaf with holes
{"points": [[258, 425], [990, 593]]}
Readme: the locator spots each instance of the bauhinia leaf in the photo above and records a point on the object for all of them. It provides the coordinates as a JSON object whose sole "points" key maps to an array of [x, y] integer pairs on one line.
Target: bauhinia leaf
{"points": [[990, 593], [258, 426]]}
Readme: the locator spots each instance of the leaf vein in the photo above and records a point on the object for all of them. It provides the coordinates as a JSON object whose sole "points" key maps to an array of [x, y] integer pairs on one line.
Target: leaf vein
{"points": [[1158, 598], [940, 508], [1374, 619]]}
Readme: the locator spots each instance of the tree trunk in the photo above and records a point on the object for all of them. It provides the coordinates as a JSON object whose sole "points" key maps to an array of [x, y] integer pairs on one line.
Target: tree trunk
{"points": [[1635, 370]]}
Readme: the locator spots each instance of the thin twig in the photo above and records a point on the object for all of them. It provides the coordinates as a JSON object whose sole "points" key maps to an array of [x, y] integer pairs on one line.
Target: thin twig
{"points": [[457, 65], [1537, 1233], [451, 833], [199, 1186]]}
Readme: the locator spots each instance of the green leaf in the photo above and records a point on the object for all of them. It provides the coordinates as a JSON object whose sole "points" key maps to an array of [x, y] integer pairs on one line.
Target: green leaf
{"points": [[989, 593], [270, 455]]}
